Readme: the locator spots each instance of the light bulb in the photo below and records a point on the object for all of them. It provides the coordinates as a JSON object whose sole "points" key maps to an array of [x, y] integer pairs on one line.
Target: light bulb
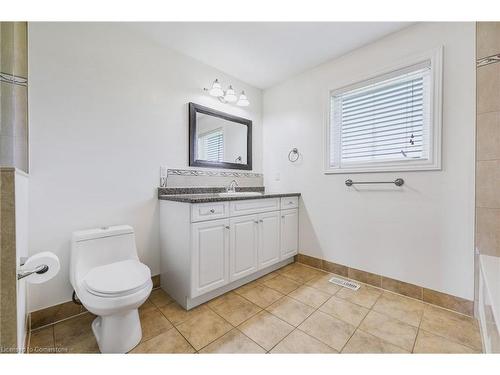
{"points": [[216, 89], [243, 100], [230, 96]]}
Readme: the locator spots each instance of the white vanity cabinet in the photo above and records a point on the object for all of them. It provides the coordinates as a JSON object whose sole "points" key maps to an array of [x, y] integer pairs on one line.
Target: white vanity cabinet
{"points": [[244, 242], [208, 249], [210, 255], [289, 228], [269, 239]]}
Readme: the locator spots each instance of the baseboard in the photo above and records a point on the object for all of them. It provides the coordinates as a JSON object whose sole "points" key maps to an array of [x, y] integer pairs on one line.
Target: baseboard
{"points": [[434, 297], [54, 314]]}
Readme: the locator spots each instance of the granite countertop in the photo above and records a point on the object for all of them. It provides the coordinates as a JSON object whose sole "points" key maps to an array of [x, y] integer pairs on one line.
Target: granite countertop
{"points": [[206, 198], [207, 195]]}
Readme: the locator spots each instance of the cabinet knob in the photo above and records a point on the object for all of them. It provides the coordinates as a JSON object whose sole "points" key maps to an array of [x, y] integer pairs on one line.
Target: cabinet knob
{"points": [[256, 221], [261, 221], [282, 216], [212, 211], [228, 227]]}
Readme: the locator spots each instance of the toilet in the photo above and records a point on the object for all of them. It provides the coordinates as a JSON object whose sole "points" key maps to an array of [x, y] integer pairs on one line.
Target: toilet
{"points": [[111, 283]]}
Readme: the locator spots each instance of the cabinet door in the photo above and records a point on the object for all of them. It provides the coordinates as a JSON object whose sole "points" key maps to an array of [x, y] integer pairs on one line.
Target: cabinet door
{"points": [[243, 246], [289, 233], [269, 238], [210, 255]]}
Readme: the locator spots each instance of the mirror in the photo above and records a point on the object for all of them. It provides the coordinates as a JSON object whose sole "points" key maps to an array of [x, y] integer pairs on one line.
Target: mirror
{"points": [[218, 139]]}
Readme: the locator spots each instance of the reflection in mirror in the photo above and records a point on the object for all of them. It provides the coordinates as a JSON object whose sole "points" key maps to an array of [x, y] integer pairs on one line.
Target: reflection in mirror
{"points": [[218, 139]]}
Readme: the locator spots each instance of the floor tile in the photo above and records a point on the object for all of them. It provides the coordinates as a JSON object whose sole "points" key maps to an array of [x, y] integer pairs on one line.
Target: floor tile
{"points": [[331, 331], [362, 342], [299, 342], [261, 295], [220, 299], [282, 284], [245, 288], [203, 328], [288, 267], [344, 310], [265, 329], [75, 335], [234, 308], [456, 327], [170, 341], [148, 305], [299, 272], [153, 323], [322, 283], [160, 298], [42, 341], [177, 314], [405, 309], [55, 313], [290, 310], [389, 329], [267, 277], [310, 296], [365, 296], [233, 342], [430, 343]]}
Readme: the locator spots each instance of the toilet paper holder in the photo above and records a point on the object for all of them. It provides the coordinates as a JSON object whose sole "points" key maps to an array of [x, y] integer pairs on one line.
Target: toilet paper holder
{"points": [[21, 274]]}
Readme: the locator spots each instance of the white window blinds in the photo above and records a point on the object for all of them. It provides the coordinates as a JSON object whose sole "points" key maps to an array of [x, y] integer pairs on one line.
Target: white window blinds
{"points": [[211, 146], [383, 119]]}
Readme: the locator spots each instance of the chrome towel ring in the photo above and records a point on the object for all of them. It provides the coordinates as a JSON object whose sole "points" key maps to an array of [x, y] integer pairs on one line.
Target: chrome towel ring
{"points": [[293, 155]]}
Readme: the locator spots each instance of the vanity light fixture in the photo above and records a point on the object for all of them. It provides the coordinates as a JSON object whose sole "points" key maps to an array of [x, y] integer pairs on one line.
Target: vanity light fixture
{"points": [[243, 100], [216, 89], [228, 96]]}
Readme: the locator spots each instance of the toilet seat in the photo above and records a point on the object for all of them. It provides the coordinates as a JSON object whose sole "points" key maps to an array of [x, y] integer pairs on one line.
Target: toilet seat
{"points": [[117, 279]]}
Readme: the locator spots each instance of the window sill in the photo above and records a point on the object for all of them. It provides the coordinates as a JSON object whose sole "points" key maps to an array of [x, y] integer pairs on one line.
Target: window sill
{"points": [[382, 169]]}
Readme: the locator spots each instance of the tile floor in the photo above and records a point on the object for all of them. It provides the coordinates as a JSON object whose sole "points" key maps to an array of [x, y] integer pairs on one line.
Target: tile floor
{"points": [[292, 310]]}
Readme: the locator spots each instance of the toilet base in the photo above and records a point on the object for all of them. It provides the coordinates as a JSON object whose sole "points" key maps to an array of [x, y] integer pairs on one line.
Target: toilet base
{"points": [[118, 333]]}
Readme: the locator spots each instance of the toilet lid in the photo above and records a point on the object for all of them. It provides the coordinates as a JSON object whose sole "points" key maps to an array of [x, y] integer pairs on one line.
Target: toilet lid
{"points": [[118, 278]]}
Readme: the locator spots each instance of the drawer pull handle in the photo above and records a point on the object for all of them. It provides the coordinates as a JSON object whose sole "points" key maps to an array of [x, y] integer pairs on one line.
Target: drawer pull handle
{"points": [[261, 221], [282, 216], [256, 221], [228, 227], [212, 211], [290, 202]]}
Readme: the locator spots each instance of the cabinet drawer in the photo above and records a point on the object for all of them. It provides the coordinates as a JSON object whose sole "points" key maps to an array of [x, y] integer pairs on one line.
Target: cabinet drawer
{"points": [[209, 211], [289, 202], [253, 206]]}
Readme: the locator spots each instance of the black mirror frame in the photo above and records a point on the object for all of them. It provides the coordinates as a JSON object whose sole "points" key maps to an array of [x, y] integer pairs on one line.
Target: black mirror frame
{"points": [[193, 109]]}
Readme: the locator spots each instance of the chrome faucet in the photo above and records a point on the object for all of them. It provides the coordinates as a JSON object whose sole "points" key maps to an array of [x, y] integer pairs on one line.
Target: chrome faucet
{"points": [[232, 187]]}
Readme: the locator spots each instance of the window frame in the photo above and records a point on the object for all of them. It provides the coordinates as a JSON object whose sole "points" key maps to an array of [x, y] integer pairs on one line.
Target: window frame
{"points": [[209, 133], [435, 57]]}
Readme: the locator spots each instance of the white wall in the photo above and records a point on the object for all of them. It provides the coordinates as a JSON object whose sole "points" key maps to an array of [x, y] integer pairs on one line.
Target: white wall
{"points": [[107, 108], [422, 233]]}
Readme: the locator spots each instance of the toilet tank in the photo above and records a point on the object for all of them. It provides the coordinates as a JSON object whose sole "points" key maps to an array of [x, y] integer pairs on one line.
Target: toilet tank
{"points": [[98, 247]]}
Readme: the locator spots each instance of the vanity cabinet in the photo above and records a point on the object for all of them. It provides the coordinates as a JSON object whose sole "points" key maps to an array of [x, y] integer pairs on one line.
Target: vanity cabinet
{"points": [[244, 243], [210, 255], [289, 230], [208, 249], [269, 239]]}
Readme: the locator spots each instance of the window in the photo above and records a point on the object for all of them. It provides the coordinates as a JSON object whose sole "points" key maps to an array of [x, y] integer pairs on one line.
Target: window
{"points": [[211, 146], [387, 123]]}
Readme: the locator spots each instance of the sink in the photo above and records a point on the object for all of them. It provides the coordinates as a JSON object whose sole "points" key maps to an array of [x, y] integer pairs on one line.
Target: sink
{"points": [[241, 194]]}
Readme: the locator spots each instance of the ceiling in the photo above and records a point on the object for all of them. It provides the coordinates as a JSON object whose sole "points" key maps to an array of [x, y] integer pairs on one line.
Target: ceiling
{"points": [[265, 53]]}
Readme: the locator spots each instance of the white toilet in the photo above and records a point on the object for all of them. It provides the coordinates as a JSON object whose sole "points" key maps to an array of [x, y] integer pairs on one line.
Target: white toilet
{"points": [[111, 283]]}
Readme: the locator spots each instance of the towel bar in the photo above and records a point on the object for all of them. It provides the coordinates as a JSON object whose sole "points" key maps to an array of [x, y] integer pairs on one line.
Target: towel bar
{"points": [[397, 182]]}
